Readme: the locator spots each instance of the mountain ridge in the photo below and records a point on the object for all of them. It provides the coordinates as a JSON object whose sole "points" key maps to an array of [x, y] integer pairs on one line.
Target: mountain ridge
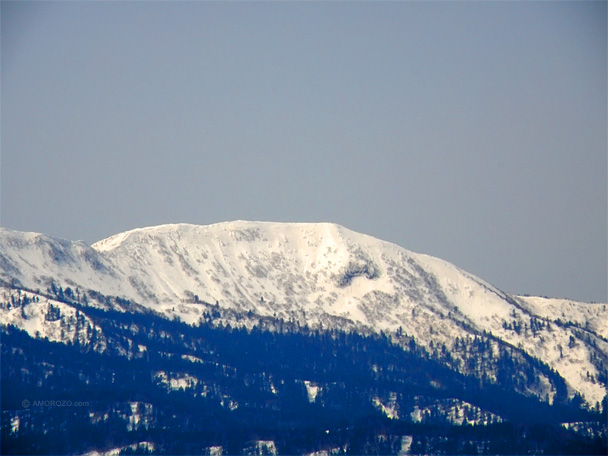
{"points": [[318, 274]]}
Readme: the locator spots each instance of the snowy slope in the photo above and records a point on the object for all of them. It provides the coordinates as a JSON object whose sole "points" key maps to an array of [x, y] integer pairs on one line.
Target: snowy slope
{"points": [[34, 261], [585, 314], [316, 274]]}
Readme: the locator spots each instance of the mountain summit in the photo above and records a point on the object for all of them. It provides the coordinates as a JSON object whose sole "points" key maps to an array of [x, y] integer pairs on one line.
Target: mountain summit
{"points": [[317, 274]]}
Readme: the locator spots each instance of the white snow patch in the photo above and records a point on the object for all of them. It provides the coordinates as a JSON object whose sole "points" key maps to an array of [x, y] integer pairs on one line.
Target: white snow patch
{"points": [[261, 448], [15, 422], [176, 381], [312, 389], [388, 407], [214, 451], [406, 444], [145, 446]]}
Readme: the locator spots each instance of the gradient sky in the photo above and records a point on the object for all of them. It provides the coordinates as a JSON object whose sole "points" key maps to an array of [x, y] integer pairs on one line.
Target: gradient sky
{"points": [[475, 132]]}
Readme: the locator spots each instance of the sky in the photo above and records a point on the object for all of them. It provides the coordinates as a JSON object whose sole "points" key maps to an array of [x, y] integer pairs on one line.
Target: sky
{"points": [[471, 131]]}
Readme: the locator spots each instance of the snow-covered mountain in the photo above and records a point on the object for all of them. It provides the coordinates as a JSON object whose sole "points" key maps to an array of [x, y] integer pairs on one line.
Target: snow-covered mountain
{"points": [[320, 275]]}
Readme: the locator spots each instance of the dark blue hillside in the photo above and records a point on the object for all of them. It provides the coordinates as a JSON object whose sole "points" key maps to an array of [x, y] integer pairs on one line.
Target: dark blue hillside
{"points": [[240, 386]]}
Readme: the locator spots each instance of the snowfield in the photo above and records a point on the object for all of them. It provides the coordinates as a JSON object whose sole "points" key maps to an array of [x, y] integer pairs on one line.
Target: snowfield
{"points": [[321, 275]]}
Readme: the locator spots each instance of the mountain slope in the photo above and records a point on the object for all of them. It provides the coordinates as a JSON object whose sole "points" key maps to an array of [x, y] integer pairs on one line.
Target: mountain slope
{"points": [[184, 389], [321, 275]]}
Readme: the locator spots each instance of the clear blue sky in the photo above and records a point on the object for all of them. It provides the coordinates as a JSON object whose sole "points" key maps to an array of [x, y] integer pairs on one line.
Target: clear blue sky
{"points": [[471, 131]]}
